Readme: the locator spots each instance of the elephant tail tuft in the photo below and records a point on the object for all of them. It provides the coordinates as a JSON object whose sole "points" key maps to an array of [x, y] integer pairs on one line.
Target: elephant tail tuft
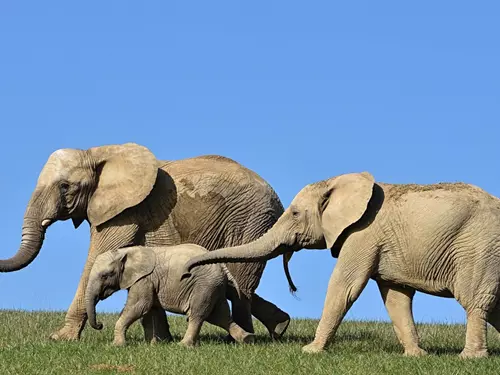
{"points": [[231, 280]]}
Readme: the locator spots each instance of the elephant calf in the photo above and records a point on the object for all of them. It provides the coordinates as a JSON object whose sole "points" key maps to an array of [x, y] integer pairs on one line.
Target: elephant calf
{"points": [[152, 277]]}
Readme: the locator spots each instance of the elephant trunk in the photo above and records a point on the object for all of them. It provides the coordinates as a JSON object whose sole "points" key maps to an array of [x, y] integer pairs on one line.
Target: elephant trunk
{"points": [[266, 247], [33, 234], [91, 299]]}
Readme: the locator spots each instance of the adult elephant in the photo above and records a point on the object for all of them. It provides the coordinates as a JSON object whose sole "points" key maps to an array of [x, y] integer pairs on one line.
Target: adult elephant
{"points": [[131, 198], [441, 239]]}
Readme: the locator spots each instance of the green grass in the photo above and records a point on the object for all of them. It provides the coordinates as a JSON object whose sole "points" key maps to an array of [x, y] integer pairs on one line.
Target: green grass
{"points": [[359, 348]]}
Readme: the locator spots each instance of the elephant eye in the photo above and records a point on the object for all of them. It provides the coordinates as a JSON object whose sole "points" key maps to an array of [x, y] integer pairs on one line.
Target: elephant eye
{"points": [[295, 213], [64, 186]]}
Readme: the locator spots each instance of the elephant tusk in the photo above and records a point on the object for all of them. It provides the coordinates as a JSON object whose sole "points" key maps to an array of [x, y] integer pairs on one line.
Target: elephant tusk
{"points": [[46, 223]]}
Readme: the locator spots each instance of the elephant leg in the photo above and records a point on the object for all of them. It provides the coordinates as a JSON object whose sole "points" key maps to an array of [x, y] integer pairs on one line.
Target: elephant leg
{"points": [[241, 309], [76, 316], [348, 280], [155, 325], [107, 239], [221, 317], [494, 318], [274, 319], [475, 336], [398, 302], [138, 304], [192, 334], [247, 276], [479, 298]]}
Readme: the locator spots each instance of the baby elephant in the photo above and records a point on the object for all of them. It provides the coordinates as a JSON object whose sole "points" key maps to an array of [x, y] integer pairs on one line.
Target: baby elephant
{"points": [[152, 276]]}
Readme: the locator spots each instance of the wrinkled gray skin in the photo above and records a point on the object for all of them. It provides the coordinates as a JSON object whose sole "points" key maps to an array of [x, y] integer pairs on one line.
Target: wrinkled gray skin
{"points": [[441, 239], [130, 198], [152, 277]]}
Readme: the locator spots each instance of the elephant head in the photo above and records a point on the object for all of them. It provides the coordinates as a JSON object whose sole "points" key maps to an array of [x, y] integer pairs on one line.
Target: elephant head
{"points": [[95, 185], [320, 216], [115, 270]]}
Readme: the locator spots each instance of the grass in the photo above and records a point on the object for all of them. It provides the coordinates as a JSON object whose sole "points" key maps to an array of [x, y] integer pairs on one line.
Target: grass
{"points": [[359, 348]]}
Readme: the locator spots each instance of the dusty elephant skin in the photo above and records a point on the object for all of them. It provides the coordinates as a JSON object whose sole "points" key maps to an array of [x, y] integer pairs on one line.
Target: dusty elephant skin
{"points": [[130, 198], [441, 239], [152, 277]]}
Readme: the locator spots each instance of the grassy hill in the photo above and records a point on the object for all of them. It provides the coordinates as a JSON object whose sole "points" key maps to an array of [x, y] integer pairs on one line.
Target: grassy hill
{"points": [[360, 348]]}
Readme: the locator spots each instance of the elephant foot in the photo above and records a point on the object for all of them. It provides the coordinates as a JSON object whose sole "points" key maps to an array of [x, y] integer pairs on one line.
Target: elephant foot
{"points": [[158, 340], [472, 354], [415, 352], [66, 333], [247, 338], [280, 329], [119, 342], [190, 344], [228, 339], [313, 348]]}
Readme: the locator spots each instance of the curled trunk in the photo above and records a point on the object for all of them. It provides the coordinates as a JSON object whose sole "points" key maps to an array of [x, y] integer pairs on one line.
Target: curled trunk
{"points": [[32, 239], [91, 299]]}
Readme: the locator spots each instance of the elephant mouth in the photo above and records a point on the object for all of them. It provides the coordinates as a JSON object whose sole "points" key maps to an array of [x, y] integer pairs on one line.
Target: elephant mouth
{"points": [[105, 294]]}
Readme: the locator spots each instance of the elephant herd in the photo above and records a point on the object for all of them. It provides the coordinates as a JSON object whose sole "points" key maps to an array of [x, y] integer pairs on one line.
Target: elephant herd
{"points": [[187, 235]]}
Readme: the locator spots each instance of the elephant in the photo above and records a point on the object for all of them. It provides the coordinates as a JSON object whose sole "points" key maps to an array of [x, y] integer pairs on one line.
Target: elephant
{"points": [[152, 277], [440, 239], [128, 197]]}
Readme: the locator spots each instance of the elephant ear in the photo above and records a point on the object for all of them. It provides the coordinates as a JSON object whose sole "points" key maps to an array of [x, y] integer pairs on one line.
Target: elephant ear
{"points": [[137, 262], [345, 202], [126, 176]]}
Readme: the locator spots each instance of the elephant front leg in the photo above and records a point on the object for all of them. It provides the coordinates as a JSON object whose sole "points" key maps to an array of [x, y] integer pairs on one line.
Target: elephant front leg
{"points": [[139, 303], [110, 238], [346, 284], [76, 316], [398, 302]]}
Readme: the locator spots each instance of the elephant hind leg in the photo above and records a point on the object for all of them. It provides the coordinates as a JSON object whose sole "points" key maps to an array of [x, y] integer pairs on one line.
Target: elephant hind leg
{"points": [[398, 302], [241, 310], [475, 337], [479, 298], [221, 317], [494, 318], [480, 309], [274, 319], [155, 325], [192, 334]]}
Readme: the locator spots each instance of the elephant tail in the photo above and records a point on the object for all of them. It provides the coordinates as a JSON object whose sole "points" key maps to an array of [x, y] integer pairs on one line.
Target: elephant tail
{"points": [[232, 280], [291, 286]]}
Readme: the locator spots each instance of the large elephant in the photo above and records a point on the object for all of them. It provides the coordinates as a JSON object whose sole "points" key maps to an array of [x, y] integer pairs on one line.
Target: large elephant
{"points": [[131, 198], [441, 239]]}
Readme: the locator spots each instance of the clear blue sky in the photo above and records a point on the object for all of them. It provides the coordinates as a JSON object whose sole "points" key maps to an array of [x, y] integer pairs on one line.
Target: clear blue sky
{"points": [[297, 91]]}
